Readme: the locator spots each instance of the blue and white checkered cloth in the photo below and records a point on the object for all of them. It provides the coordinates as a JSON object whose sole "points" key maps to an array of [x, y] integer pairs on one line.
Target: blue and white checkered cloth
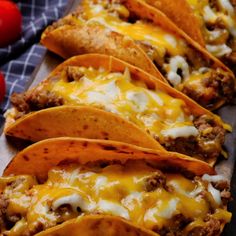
{"points": [[18, 61]]}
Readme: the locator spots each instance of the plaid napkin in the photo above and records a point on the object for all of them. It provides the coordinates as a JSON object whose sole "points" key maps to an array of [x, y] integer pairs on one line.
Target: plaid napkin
{"points": [[18, 60]]}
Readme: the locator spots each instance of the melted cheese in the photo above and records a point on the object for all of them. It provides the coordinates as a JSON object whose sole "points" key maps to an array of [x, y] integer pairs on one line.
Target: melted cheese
{"points": [[219, 50], [169, 51], [185, 131], [153, 110], [177, 63], [217, 39], [122, 192], [140, 30]]}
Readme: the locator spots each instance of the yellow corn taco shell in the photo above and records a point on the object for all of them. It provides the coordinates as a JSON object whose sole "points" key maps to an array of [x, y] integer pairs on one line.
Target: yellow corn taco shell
{"points": [[124, 98], [40, 157], [95, 39], [75, 186], [97, 225], [185, 64], [210, 23], [181, 14], [79, 121]]}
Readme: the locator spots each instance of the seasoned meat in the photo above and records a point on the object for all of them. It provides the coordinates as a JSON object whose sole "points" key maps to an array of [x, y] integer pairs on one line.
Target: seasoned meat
{"points": [[3, 208], [182, 145], [215, 87], [212, 227], [221, 185], [18, 100], [155, 181], [33, 101], [176, 226], [211, 137], [208, 143], [42, 100], [230, 60], [73, 73]]}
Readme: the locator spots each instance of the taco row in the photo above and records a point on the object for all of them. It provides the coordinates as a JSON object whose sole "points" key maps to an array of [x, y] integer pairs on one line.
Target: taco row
{"points": [[100, 97], [211, 23], [118, 151], [140, 34], [74, 186]]}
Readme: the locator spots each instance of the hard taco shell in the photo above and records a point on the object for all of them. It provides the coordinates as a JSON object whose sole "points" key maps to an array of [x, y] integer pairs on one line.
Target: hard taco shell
{"points": [[40, 157], [98, 225]]}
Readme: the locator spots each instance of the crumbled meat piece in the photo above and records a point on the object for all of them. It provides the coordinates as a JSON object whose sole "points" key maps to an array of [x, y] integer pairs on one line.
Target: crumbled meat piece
{"points": [[154, 181], [73, 73], [215, 87], [34, 100], [212, 227], [3, 208], [230, 60], [175, 228], [38, 227], [182, 145], [213, 4], [13, 218], [18, 100], [43, 99], [221, 185], [211, 137], [225, 197], [208, 144]]}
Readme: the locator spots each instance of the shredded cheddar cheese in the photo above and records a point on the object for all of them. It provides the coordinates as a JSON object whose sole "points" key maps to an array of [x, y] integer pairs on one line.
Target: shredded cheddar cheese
{"points": [[152, 110], [217, 39], [140, 30], [114, 190], [170, 52]]}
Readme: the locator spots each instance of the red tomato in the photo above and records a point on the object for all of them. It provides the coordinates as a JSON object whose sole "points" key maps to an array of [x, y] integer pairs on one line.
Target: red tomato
{"points": [[2, 87], [10, 22]]}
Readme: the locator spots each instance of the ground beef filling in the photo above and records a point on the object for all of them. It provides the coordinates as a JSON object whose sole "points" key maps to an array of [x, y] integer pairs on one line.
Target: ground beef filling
{"points": [[212, 90], [208, 144], [215, 87], [157, 179], [34, 101]]}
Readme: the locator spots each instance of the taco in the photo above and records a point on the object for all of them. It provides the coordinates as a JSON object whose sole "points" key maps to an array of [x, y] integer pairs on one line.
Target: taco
{"points": [[103, 183], [210, 23], [113, 86], [137, 33]]}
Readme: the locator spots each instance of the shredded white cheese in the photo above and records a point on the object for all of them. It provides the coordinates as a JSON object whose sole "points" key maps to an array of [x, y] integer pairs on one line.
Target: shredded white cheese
{"points": [[184, 131], [139, 99], [74, 200], [156, 97], [209, 15], [219, 50], [133, 199], [213, 178], [170, 39], [215, 194], [113, 208], [101, 181], [226, 5], [152, 213], [176, 63]]}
